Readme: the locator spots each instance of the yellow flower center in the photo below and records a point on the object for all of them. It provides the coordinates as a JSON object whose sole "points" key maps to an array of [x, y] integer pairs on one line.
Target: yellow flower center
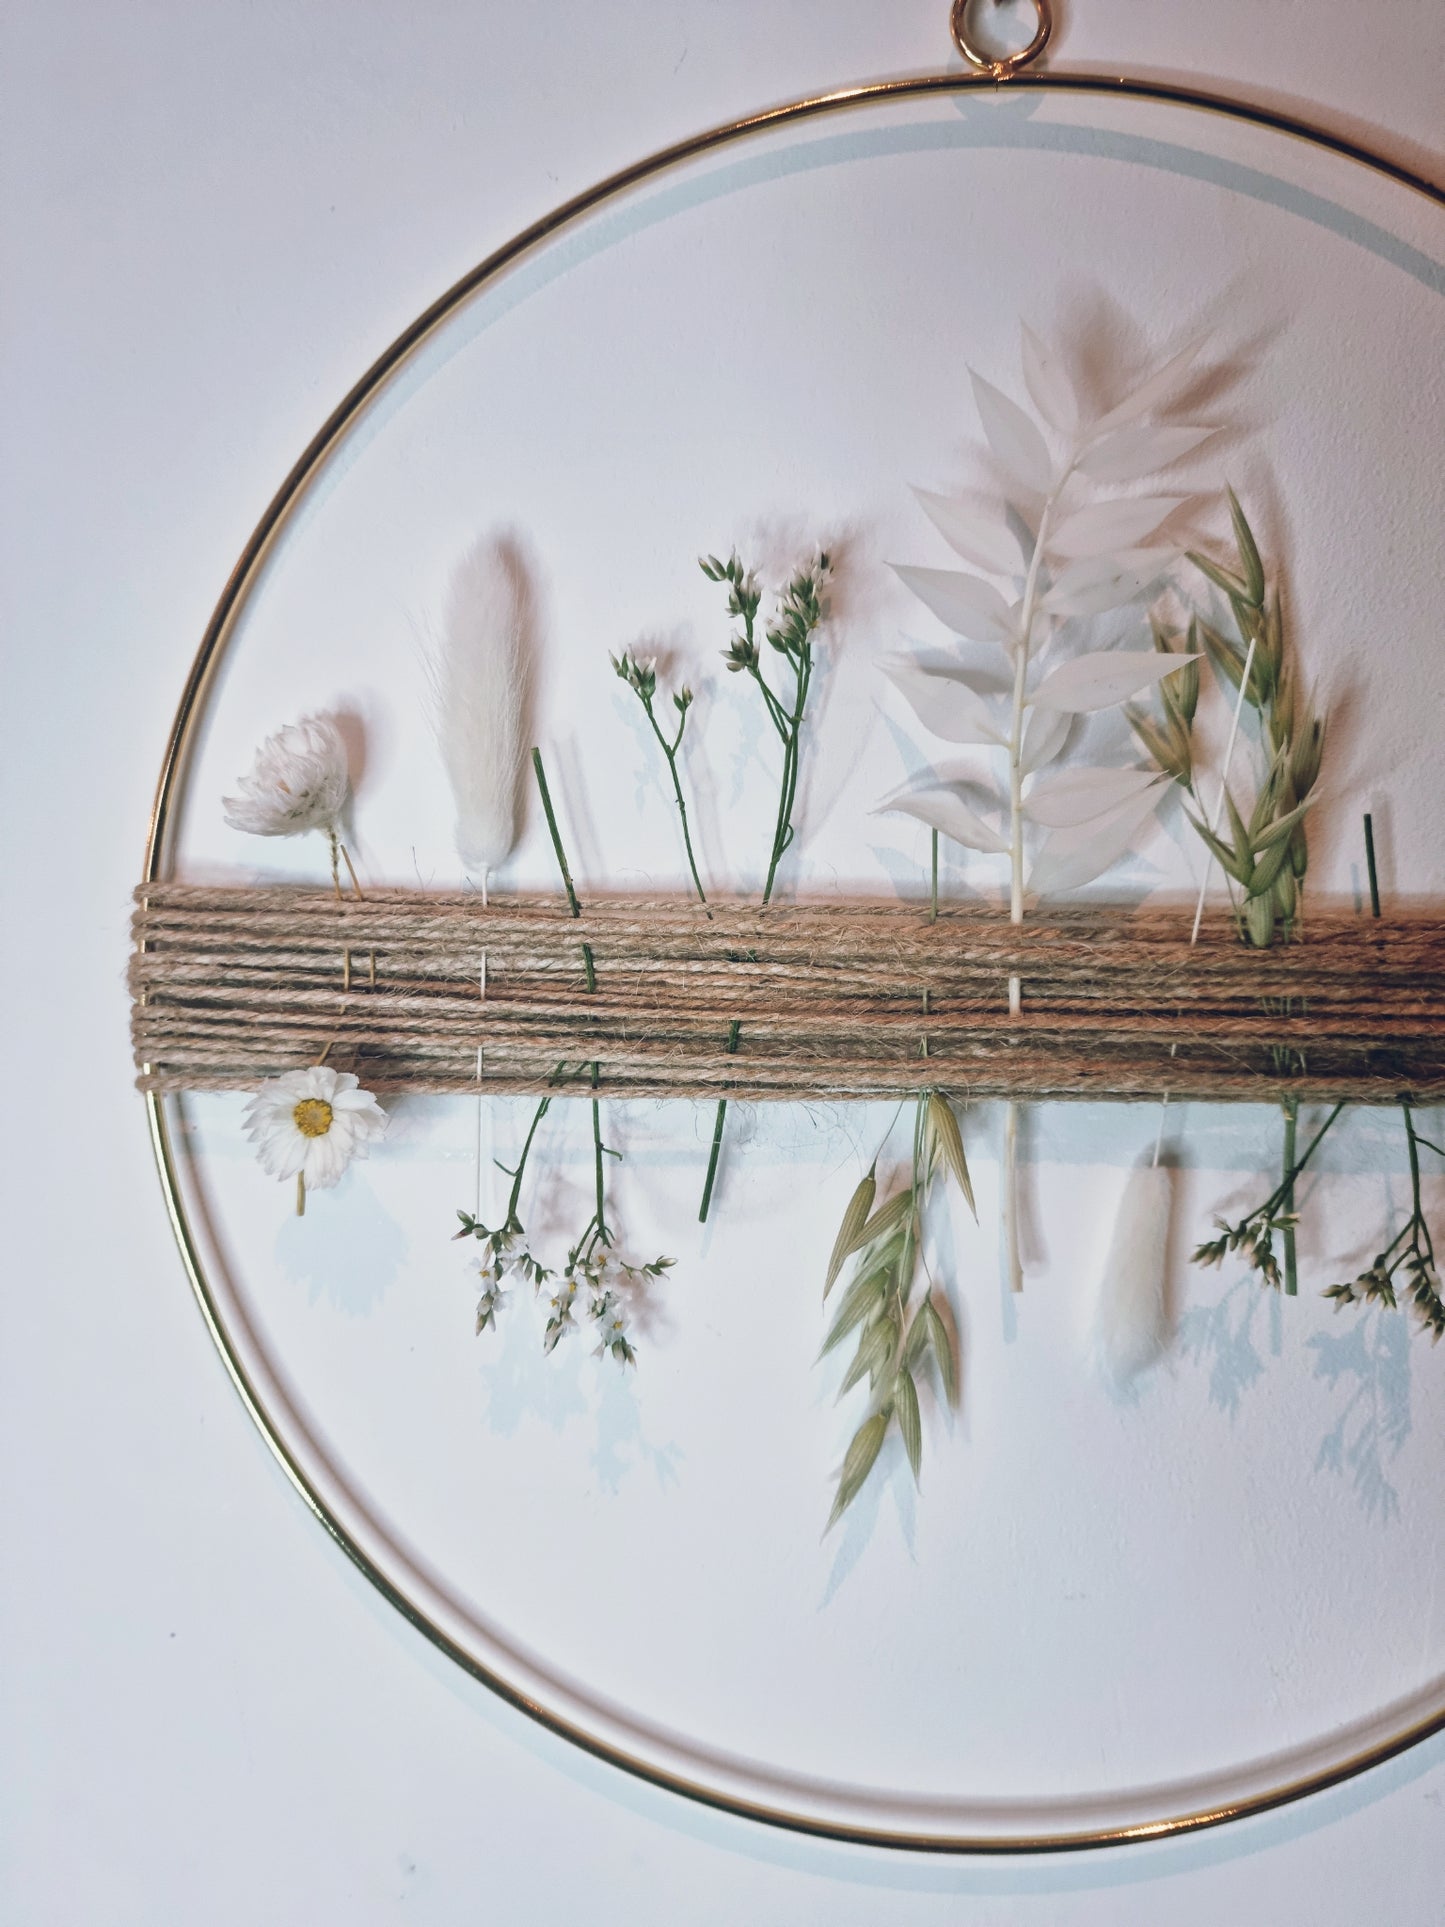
{"points": [[313, 1117]]}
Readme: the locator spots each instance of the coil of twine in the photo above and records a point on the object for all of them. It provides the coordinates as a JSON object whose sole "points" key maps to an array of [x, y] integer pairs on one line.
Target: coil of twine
{"points": [[839, 1000]]}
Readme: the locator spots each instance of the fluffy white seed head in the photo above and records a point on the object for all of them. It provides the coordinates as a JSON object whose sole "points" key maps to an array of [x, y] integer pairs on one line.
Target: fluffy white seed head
{"points": [[1130, 1318], [480, 685]]}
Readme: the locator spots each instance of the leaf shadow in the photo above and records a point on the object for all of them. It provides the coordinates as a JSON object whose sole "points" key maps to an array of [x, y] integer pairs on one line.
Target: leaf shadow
{"points": [[1222, 1336], [1370, 1364], [891, 1479]]}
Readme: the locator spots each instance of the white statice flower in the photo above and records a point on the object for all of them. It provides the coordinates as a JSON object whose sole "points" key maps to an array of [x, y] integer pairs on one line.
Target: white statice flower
{"points": [[312, 1122], [611, 1320], [560, 1318], [297, 782]]}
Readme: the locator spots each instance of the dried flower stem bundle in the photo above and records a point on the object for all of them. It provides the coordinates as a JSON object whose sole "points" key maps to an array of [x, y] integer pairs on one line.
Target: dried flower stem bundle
{"points": [[591, 1266], [798, 616]]}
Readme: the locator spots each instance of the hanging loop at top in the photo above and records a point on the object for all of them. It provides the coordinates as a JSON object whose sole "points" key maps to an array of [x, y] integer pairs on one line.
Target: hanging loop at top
{"points": [[999, 68]]}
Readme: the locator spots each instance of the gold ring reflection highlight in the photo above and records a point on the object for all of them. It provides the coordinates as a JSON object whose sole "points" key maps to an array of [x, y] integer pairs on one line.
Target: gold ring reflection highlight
{"points": [[985, 76]]}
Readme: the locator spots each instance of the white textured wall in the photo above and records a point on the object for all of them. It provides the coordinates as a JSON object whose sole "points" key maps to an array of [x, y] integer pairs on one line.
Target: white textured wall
{"points": [[215, 216]]}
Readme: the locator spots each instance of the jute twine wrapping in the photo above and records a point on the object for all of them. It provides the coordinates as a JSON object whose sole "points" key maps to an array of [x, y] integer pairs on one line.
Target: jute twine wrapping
{"points": [[234, 985]]}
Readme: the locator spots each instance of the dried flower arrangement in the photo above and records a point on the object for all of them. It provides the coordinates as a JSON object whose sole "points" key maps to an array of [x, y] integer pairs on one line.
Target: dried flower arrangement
{"points": [[1061, 549]]}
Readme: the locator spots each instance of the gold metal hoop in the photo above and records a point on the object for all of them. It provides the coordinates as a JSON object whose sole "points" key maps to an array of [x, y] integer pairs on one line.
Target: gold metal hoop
{"points": [[189, 716], [1010, 64]]}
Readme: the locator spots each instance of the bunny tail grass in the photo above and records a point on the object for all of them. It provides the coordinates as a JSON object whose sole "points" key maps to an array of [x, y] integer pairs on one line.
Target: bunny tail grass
{"points": [[1130, 1322], [480, 686]]}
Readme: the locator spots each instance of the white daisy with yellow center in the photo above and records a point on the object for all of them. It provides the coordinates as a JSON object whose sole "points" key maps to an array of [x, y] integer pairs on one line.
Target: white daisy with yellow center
{"points": [[310, 1124]]}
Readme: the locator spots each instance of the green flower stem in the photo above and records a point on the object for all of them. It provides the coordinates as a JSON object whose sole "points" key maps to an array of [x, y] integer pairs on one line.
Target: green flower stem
{"points": [[517, 1174], [574, 905], [789, 724], [933, 891], [1291, 1263], [1370, 865], [551, 816], [669, 750], [1414, 1140], [734, 1030], [1285, 1189]]}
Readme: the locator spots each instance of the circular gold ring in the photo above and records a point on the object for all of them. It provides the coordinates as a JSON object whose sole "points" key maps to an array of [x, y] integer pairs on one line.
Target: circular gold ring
{"points": [[986, 63], [1293, 1783]]}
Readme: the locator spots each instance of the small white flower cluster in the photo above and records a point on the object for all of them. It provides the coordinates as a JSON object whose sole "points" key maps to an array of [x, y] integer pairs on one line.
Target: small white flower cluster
{"points": [[605, 1309]]}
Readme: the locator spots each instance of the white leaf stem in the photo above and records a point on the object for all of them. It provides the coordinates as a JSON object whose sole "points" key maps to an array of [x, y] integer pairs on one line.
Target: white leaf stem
{"points": [[1104, 678], [966, 604], [1068, 797], [944, 810], [1014, 437], [980, 539], [945, 705]]}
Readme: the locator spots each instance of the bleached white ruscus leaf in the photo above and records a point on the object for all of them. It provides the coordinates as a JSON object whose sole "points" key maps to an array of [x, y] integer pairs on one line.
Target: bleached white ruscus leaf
{"points": [[1068, 859], [966, 604], [1098, 583], [1128, 454], [984, 540], [946, 705], [1147, 396], [944, 810], [1045, 733], [1047, 381], [1130, 1323], [1099, 528], [1104, 678], [1015, 437], [1088, 556], [1067, 797]]}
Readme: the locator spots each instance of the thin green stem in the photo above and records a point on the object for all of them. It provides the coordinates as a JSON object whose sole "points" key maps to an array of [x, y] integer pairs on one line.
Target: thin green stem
{"points": [[1414, 1141], [670, 750], [1370, 865], [933, 891], [791, 728], [597, 1163], [1286, 1188], [516, 1191], [576, 908], [1291, 1262], [734, 1030], [551, 816]]}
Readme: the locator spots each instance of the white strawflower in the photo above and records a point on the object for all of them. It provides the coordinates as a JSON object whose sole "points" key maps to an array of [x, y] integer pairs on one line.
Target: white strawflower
{"points": [[310, 1124], [297, 782]]}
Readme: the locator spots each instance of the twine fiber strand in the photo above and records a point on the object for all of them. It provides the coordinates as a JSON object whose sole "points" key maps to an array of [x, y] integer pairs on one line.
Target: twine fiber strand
{"points": [[233, 985]]}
